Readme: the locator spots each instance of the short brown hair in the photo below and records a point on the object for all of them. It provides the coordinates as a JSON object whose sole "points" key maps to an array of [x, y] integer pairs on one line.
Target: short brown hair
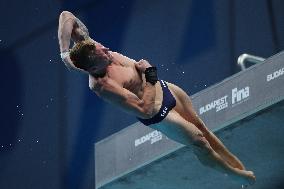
{"points": [[80, 54]]}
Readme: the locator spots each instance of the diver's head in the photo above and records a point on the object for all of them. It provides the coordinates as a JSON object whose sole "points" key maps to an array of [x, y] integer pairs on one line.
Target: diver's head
{"points": [[91, 57]]}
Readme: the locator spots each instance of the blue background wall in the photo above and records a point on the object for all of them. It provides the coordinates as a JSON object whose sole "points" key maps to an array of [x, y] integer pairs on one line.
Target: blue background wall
{"points": [[50, 119]]}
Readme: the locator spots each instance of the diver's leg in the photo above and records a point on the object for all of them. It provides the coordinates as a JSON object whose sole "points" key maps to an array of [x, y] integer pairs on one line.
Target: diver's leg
{"points": [[215, 143], [190, 115], [219, 147], [180, 130]]}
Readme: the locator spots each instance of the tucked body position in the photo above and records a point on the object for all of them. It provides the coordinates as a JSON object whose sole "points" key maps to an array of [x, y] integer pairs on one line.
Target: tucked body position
{"points": [[135, 88]]}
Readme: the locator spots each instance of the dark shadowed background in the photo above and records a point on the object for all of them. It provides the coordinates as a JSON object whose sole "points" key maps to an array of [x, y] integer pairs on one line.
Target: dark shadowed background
{"points": [[49, 117]]}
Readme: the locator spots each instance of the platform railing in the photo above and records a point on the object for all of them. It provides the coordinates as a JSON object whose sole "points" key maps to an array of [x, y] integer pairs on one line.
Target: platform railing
{"points": [[244, 58]]}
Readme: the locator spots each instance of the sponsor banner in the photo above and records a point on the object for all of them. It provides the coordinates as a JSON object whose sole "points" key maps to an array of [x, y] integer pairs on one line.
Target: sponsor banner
{"points": [[275, 74], [238, 96], [242, 93], [153, 137], [217, 105]]}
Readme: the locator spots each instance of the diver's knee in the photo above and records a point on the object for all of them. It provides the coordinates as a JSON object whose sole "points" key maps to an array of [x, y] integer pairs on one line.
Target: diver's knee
{"points": [[201, 144]]}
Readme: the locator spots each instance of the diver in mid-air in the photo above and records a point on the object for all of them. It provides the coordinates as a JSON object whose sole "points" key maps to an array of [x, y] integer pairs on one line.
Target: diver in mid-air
{"points": [[135, 88]]}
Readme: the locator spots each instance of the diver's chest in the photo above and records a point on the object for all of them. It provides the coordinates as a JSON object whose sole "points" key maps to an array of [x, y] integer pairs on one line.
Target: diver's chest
{"points": [[121, 74]]}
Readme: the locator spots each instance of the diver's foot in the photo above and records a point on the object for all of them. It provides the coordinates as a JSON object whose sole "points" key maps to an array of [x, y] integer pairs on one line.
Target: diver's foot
{"points": [[245, 178], [251, 177]]}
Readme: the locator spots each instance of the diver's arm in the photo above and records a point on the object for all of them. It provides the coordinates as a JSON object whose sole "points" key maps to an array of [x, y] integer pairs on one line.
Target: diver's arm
{"points": [[70, 28], [115, 93], [149, 90], [111, 91]]}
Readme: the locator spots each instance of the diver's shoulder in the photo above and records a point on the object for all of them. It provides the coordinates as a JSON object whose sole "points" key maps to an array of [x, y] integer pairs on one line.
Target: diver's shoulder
{"points": [[122, 58]]}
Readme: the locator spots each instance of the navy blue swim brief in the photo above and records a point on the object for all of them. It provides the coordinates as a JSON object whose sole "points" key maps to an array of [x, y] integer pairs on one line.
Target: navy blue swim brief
{"points": [[169, 102]]}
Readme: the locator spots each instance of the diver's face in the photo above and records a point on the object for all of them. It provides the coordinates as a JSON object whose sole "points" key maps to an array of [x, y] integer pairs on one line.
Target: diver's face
{"points": [[102, 52], [102, 60]]}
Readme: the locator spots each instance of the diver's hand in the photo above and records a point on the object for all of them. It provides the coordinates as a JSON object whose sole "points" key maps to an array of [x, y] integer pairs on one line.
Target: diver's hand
{"points": [[142, 65], [66, 59]]}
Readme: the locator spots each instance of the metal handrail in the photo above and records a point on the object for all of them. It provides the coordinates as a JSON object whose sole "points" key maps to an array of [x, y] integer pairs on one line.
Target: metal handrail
{"points": [[249, 58]]}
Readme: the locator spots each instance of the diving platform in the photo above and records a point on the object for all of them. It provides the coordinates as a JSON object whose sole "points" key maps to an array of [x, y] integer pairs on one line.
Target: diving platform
{"points": [[246, 111]]}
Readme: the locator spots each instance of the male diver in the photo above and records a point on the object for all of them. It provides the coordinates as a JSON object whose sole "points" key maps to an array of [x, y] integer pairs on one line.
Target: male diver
{"points": [[135, 88]]}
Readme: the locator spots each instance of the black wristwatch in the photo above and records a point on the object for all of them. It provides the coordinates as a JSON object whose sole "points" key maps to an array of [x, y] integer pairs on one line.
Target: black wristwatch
{"points": [[151, 75]]}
